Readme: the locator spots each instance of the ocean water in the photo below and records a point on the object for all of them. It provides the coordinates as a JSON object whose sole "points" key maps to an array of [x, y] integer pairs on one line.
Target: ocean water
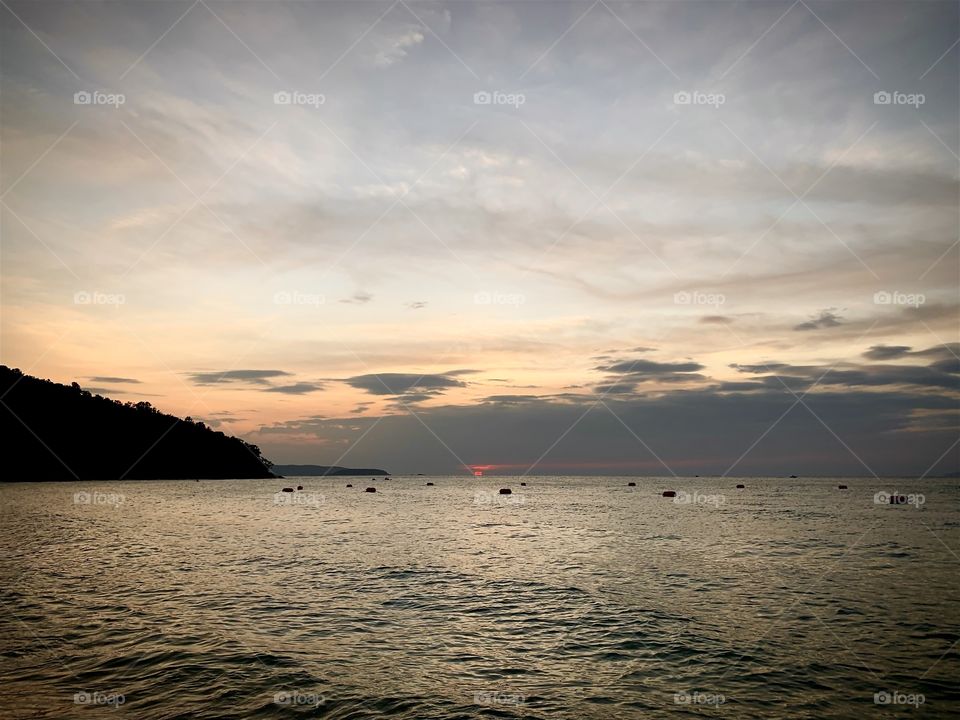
{"points": [[571, 598]]}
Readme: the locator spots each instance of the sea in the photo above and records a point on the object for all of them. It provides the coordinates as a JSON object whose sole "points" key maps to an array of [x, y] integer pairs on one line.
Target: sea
{"points": [[570, 597]]}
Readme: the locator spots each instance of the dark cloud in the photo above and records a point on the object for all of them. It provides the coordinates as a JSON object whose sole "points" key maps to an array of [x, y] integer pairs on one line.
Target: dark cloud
{"points": [[704, 431], [629, 374], [405, 384], [761, 368], [716, 320], [650, 367], [299, 388], [939, 373], [255, 377], [887, 352], [510, 399], [112, 380], [826, 319]]}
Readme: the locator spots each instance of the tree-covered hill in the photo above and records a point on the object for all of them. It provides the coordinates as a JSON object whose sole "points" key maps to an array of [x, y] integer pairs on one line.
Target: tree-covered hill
{"points": [[62, 432]]}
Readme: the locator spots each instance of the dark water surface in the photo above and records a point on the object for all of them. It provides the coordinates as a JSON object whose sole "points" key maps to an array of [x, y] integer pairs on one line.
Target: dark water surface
{"points": [[571, 598]]}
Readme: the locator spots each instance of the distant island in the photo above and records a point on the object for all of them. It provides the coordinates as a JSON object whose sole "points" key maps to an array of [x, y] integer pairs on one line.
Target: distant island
{"points": [[63, 432], [331, 470]]}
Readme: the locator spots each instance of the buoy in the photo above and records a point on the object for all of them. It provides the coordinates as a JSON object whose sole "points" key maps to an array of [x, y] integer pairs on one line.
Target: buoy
{"points": [[794, 477], [349, 485], [506, 491], [841, 487], [669, 493], [370, 490], [386, 478], [429, 484], [631, 484], [299, 487], [288, 490], [740, 487], [898, 499], [523, 484]]}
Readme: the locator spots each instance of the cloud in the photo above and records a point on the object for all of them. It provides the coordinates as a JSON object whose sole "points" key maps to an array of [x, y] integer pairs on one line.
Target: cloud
{"points": [[826, 319], [299, 388], [650, 367], [716, 320], [629, 374], [887, 352], [891, 431], [359, 298], [395, 48], [112, 380], [409, 384], [254, 377], [417, 305]]}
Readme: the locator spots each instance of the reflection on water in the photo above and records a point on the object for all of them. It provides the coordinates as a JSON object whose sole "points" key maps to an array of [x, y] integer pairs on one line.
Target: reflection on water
{"points": [[570, 598]]}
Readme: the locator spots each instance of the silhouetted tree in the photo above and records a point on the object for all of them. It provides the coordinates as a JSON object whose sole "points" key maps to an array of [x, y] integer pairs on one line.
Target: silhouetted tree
{"points": [[58, 433]]}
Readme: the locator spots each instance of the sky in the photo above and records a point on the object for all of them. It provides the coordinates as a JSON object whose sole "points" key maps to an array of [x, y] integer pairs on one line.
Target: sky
{"points": [[641, 238]]}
